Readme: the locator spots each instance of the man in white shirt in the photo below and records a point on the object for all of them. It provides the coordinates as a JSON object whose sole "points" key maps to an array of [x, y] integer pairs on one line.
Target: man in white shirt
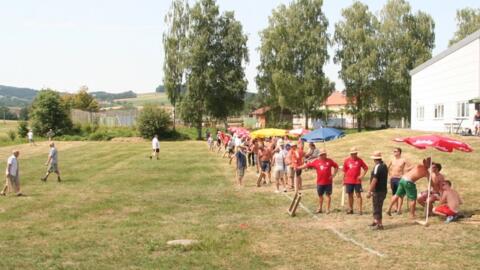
{"points": [[12, 174], [52, 163], [30, 137], [155, 147]]}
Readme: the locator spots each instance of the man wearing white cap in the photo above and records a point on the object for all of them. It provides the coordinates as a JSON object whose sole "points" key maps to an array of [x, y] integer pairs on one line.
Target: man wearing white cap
{"points": [[378, 189], [323, 166], [352, 169]]}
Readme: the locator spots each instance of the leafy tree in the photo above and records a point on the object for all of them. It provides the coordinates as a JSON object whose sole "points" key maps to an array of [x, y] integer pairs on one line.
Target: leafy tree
{"points": [[153, 120], [357, 54], [292, 54], [174, 44], [160, 88], [22, 129], [84, 101], [215, 83], [48, 112], [468, 21], [6, 114], [405, 41], [24, 111]]}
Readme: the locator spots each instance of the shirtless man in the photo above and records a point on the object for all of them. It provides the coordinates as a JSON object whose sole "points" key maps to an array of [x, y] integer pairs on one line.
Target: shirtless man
{"points": [[396, 168], [436, 191], [407, 186], [265, 155], [449, 203]]}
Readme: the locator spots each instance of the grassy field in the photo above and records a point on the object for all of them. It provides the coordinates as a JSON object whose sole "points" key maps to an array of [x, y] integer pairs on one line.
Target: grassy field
{"points": [[116, 209], [149, 98]]}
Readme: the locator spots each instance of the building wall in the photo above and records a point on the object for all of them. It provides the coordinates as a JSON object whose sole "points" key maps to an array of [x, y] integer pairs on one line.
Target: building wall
{"points": [[453, 79]]}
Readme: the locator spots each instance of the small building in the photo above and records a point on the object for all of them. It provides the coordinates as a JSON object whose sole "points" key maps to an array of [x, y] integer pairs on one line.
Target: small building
{"points": [[446, 89], [264, 116]]}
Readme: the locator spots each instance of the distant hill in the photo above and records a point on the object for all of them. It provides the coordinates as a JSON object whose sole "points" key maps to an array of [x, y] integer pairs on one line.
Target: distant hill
{"points": [[16, 96], [104, 96]]}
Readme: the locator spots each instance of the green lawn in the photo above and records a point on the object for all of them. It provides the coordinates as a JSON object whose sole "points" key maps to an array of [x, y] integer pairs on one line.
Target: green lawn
{"points": [[117, 209], [149, 98]]}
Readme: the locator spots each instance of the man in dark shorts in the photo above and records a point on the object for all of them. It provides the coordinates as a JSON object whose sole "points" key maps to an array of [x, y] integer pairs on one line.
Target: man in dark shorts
{"points": [[352, 169], [323, 166], [378, 189], [265, 157], [241, 164], [396, 168]]}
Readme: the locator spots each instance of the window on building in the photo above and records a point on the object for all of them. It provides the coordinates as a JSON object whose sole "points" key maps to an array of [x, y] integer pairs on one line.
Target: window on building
{"points": [[438, 113], [420, 112], [462, 109]]}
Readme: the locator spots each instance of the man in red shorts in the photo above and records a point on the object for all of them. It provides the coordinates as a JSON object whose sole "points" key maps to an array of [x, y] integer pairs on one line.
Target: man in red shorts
{"points": [[323, 166], [449, 203], [352, 169]]}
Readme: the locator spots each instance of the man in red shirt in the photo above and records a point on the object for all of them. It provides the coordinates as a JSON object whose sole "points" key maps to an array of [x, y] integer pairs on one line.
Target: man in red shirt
{"points": [[323, 166], [352, 179]]}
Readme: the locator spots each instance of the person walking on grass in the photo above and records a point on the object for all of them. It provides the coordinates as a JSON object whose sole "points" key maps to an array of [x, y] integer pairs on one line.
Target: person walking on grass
{"points": [[378, 189], [396, 168], [449, 203], [352, 169], [30, 137], [52, 163], [155, 147], [323, 166], [265, 156], [12, 175], [407, 186], [297, 161], [279, 169], [50, 135], [241, 164]]}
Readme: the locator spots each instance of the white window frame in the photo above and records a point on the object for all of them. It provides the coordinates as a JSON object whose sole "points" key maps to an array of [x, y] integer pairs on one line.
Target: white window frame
{"points": [[420, 113], [438, 111], [463, 109]]}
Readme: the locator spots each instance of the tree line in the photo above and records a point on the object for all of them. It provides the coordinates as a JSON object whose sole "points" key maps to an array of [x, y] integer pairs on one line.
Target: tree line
{"points": [[205, 52]]}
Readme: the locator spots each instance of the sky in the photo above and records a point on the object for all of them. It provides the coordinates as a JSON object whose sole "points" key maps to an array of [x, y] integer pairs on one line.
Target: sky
{"points": [[116, 45]]}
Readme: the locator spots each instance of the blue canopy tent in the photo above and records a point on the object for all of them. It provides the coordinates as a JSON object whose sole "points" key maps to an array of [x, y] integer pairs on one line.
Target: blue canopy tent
{"points": [[323, 135]]}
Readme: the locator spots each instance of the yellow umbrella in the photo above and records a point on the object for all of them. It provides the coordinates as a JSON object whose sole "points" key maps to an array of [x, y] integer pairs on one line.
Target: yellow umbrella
{"points": [[268, 132]]}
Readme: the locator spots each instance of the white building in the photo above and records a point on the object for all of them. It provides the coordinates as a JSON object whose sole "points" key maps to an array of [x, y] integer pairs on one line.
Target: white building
{"points": [[443, 86]]}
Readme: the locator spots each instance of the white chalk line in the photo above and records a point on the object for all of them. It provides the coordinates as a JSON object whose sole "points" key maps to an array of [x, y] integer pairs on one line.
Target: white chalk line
{"points": [[340, 234]]}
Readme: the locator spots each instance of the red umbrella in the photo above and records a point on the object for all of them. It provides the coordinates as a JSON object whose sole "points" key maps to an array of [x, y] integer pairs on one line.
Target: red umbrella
{"points": [[440, 143]]}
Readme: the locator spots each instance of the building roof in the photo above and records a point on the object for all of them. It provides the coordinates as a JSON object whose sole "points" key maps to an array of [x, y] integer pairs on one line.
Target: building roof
{"points": [[455, 47], [261, 111], [336, 99]]}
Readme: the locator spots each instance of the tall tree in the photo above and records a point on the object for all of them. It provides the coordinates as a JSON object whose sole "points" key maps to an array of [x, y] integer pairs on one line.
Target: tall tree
{"points": [[355, 37], [468, 21], [225, 96], [293, 53], [216, 54], [405, 41], [174, 44]]}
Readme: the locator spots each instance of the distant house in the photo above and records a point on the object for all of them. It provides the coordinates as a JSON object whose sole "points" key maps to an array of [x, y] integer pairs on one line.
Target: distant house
{"points": [[265, 115], [338, 116], [446, 88]]}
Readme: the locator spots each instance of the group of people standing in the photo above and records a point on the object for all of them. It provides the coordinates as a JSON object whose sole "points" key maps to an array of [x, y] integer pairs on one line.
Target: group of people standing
{"points": [[287, 159]]}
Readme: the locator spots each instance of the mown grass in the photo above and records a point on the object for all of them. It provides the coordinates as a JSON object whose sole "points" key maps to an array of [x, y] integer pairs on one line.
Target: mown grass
{"points": [[117, 209]]}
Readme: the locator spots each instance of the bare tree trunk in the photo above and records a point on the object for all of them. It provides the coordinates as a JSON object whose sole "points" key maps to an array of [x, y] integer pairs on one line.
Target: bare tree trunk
{"points": [[306, 120]]}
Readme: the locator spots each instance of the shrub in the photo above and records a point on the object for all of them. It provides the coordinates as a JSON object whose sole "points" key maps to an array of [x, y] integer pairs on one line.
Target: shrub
{"points": [[152, 121], [100, 136], [12, 135], [22, 129]]}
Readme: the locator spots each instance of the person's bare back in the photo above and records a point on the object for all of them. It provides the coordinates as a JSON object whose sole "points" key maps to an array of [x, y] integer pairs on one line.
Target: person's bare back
{"points": [[416, 173], [397, 167], [452, 199]]}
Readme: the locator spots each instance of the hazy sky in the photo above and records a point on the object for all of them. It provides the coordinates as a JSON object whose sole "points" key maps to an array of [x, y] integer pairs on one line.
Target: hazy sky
{"points": [[116, 45]]}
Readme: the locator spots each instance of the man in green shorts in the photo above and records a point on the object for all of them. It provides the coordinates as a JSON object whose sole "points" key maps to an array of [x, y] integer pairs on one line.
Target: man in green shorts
{"points": [[407, 186], [52, 163]]}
